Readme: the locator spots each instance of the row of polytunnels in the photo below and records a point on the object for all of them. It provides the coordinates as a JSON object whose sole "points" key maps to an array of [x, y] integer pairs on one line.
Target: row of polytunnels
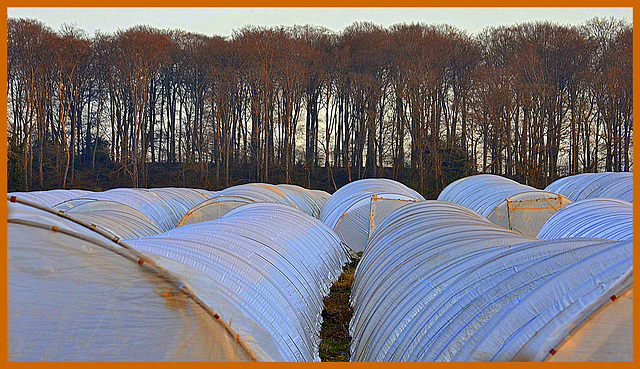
{"points": [[492, 270]]}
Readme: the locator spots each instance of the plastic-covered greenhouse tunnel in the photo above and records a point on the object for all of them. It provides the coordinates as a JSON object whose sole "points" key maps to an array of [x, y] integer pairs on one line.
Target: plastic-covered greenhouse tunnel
{"points": [[505, 202], [440, 282], [492, 271], [246, 287]]}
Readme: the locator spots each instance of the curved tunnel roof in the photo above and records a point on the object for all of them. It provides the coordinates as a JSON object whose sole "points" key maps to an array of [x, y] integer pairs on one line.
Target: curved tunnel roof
{"points": [[147, 202], [590, 185], [116, 218], [621, 189], [482, 192], [263, 269], [354, 210], [598, 217], [232, 197], [50, 198], [265, 266], [505, 202], [77, 294], [439, 282]]}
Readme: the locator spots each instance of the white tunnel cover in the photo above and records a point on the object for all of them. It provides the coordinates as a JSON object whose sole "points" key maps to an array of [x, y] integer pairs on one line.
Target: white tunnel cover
{"points": [[594, 185], [505, 202], [248, 286], [264, 267], [75, 295], [355, 209], [438, 282], [598, 217]]}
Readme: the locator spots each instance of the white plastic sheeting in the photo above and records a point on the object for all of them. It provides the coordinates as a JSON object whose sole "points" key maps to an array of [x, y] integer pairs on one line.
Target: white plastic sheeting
{"points": [[164, 210], [230, 198], [116, 218], [76, 294], [526, 212], [323, 195], [597, 217], [505, 202], [438, 282], [127, 213], [264, 267], [592, 185], [604, 336], [49, 198], [309, 201], [181, 200], [533, 321], [621, 189], [482, 192], [356, 208]]}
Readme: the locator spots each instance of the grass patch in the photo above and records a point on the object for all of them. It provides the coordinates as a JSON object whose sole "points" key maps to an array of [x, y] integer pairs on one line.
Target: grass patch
{"points": [[334, 334]]}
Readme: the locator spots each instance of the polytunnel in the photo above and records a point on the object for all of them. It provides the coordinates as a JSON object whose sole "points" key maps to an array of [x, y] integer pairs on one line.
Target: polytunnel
{"points": [[439, 282], [235, 196], [309, 201], [597, 217], [264, 267], [357, 207], [181, 200], [114, 217], [157, 207], [110, 210], [78, 294], [322, 196], [620, 189], [607, 333], [591, 185], [505, 202], [49, 198], [249, 286]]}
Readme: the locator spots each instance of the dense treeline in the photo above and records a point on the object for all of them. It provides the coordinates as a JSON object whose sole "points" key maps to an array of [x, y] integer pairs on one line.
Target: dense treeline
{"points": [[420, 103]]}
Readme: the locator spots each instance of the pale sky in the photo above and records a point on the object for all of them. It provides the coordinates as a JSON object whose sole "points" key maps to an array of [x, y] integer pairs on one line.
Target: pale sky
{"points": [[223, 21]]}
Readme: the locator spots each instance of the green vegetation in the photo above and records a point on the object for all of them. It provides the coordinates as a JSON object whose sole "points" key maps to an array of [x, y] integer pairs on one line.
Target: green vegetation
{"points": [[335, 327]]}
